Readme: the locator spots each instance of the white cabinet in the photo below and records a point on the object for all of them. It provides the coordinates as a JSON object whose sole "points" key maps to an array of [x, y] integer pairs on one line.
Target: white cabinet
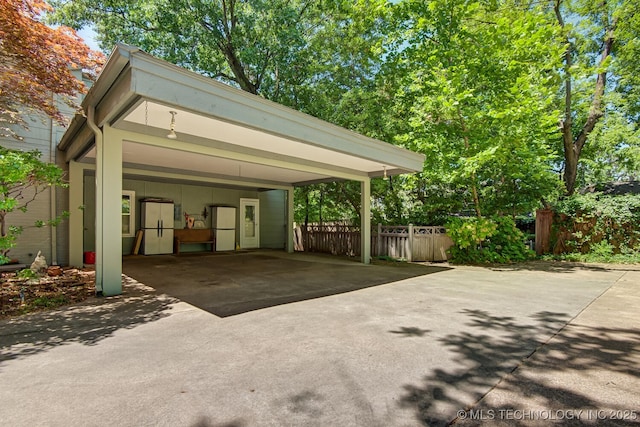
{"points": [[224, 227], [157, 223]]}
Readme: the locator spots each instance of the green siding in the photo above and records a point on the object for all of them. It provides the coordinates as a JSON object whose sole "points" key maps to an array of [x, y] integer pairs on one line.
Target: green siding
{"points": [[273, 219]]}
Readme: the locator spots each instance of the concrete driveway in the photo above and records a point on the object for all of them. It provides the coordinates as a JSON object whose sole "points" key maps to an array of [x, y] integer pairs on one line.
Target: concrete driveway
{"points": [[391, 346]]}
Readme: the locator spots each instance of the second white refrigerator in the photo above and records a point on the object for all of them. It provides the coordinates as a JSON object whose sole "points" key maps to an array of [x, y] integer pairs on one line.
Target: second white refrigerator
{"points": [[224, 227]]}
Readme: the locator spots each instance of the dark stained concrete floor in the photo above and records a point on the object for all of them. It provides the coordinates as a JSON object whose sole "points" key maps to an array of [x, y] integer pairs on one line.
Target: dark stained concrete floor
{"points": [[226, 284]]}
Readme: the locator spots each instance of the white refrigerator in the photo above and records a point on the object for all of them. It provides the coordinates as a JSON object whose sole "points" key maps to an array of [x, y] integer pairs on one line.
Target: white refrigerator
{"points": [[224, 227], [157, 223]]}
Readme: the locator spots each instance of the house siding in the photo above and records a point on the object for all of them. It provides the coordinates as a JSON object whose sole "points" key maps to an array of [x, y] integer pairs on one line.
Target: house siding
{"points": [[43, 135], [273, 219], [40, 136]]}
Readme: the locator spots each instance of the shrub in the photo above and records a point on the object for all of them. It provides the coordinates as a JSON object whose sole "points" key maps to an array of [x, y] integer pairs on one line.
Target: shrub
{"points": [[486, 241], [603, 225]]}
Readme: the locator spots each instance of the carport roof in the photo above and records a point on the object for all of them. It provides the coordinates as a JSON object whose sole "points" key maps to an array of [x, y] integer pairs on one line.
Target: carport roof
{"points": [[222, 131]]}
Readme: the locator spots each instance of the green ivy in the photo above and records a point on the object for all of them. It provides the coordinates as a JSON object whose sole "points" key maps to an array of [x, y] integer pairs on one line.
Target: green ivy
{"points": [[603, 225], [486, 241]]}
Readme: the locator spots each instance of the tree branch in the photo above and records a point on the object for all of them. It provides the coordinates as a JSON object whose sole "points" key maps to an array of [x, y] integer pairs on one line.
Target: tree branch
{"points": [[596, 112]]}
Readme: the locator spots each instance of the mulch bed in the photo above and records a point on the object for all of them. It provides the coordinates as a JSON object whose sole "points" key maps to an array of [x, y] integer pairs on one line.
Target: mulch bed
{"points": [[20, 295]]}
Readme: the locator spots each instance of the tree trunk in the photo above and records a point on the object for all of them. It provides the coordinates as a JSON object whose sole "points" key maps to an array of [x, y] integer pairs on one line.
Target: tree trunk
{"points": [[467, 146], [573, 146], [3, 227], [3, 231]]}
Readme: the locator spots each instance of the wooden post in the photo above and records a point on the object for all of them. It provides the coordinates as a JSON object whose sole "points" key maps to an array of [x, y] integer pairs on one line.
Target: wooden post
{"points": [[379, 242], [410, 244], [544, 220]]}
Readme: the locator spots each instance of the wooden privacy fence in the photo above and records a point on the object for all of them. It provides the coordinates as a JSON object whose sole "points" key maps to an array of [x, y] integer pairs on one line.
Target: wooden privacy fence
{"points": [[412, 243], [336, 239]]}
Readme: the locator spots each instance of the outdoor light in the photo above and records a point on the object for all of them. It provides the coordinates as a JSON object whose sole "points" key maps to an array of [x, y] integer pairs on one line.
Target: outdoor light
{"points": [[384, 176], [172, 127]]}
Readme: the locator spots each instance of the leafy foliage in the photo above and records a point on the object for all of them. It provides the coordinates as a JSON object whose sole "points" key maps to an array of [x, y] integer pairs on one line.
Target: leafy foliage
{"points": [[36, 61], [598, 224], [473, 77], [22, 177], [335, 201], [299, 53], [485, 241], [497, 95], [600, 40]]}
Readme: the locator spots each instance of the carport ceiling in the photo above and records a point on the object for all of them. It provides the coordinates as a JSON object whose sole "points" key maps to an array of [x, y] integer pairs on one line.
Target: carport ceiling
{"points": [[221, 131], [151, 118]]}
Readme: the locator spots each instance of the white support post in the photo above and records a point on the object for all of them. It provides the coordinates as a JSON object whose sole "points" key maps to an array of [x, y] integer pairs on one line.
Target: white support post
{"points": [[290, 230], [109, 213], [76, 214], [365, 221]]}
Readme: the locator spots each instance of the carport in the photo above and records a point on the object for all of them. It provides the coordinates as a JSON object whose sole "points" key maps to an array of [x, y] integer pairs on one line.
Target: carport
{"points": [[219, 135]]}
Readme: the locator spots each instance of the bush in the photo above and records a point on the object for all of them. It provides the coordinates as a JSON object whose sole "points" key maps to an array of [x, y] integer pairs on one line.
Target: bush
{"points": [[486, 241], [597, 224]]}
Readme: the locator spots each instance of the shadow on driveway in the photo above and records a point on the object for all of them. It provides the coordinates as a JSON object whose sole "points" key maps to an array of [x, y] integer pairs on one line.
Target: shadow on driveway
{"points": [[231, 284], [563, 267], [495, 346], [86, 323]]}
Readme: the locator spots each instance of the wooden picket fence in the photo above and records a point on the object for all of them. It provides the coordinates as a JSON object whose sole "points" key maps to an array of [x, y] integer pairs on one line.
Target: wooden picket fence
{"points": [[411, 243]]}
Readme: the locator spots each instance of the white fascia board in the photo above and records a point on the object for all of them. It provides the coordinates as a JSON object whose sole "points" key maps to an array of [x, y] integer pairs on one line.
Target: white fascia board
{"points": [[116, 101], [172, 85], [78, 123], [116, 63], [111, 71], [81, 142]]}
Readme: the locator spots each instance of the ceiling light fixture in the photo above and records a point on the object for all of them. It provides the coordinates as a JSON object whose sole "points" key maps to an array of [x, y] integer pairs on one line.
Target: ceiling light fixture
{"points": [[172, 127], [384, 176]]}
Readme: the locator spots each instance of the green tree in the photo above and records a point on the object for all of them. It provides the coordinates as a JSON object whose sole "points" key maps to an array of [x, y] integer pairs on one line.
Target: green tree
{"points": [[289, 51], [477, 79], [35, 73], [600, 58], [22, 177]]}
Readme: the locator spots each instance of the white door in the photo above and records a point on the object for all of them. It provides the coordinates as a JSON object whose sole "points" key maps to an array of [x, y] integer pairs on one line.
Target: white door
{"points": [[249, 223]]}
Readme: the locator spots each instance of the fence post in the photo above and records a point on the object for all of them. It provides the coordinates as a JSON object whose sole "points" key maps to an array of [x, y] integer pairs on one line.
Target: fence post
{"points": [[544, 220], [379, 242], [410, 248]]}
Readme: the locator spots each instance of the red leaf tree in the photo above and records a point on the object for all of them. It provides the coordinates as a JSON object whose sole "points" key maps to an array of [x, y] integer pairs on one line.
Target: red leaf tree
{"points": [[36, 62]]}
